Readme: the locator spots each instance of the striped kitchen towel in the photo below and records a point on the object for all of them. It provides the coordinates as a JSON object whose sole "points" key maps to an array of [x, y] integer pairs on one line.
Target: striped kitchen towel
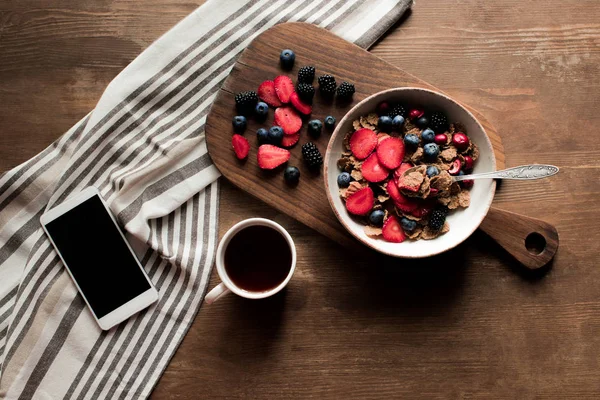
{"points": [[143, 148]]}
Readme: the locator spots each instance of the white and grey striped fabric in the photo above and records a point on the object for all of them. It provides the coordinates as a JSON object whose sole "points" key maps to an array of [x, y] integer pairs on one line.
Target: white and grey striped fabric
{"points": [[143, 148]]}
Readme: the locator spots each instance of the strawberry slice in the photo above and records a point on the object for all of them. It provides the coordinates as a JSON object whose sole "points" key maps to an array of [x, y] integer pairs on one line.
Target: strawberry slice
{"points": [[271, 157], [290, 140], [299, 104], [392, 231], [422, 210], [240, 146], [408, 207], [284, 87], [288, 119], [266, 92], [361, 202], [401, 169], [401, 201], [362, 143], [390, 152], [372, 170]]}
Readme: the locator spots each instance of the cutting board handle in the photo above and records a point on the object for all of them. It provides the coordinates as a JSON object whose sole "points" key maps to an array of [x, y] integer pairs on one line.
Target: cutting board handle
{"points": [[531, 241]]}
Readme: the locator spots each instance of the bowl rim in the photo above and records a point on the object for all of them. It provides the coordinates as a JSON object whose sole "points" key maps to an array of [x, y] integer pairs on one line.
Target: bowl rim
{"points": [[336, 132]]}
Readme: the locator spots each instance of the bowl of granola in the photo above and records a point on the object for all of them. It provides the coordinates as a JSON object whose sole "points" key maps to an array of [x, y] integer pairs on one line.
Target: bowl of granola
{"points": [[388, 172]]}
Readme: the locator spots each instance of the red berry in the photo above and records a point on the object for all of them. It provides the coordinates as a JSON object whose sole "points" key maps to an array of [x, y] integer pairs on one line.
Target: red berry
{"points": [[383, 108], [290, 140], [361, 202], [373, 170], [455, 168], [362, 143], [468, 167], [284, 87], [433, 192], [271, 157], [401, 169], [467, 183], [392, 231], [422, 210], [299, 104], [440, 139], [415, 114], [266, 92], [390, 152], [460, 141], [288, 119], [240, 146]]}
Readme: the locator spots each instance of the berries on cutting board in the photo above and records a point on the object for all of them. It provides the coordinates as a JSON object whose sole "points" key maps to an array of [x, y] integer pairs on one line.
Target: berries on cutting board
{"points": [[311, 155], [284, 87], [245, 102], [262, 135], [327, 85], [438, 122], [314, 128], [330, 122], [437, 218], [397, 123], [384, 123], [271, 157], [299, 105], [241, 147], [344, 179], [372, 170], [428, 135], [390, 152], [460, 141], [392, 231], [376, 217], [261, 111], [431, 151], [362, 143], [266, 92], [291, 175], [288, 119], [287, 58], [290, 140], [408, 224], [360, 202], [275, 135], [432, 171], [306, 92], [306, 74], [422, 122], [411, 140], [345, 91], [239, 123]]}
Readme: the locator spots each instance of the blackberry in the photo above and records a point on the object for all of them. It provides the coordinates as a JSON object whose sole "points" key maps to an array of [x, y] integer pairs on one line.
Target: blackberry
{"points": [[437, 218], [306, 92], [438, 122], [245, 102], [398, 109], [345, 91], [306, 74], [312, 155], [327, 85]]}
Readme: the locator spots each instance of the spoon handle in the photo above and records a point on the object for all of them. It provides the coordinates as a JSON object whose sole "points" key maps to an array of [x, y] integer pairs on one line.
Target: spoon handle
{"points": [[523, 172]]}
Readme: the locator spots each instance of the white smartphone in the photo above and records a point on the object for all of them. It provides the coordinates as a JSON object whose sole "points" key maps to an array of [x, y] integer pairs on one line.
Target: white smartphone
{"points": [[98, 258]]}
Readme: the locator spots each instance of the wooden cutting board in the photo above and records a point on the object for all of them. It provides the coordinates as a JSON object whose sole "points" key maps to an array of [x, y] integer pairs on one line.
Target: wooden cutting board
{"points": [[307, 202]]}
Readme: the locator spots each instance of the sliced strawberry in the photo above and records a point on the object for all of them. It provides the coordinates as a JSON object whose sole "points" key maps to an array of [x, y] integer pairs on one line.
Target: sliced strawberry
{"points": [[361, 202], [290, 140], [390, 152], [392, 231], [393, 191], [288, 119], [372, 170], [408, 206], [266, 92], [299, 104], [284, 87], [401, 169], [240, 146], [270, 157], [422, 210], [401, 201], [362, 143]]}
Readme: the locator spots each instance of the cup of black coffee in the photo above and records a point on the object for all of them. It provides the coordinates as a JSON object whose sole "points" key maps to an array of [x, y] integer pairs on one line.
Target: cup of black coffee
{"points": [[255, 259]]}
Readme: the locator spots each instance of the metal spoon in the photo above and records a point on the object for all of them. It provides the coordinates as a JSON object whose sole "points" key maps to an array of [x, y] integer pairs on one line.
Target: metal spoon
{"points": [[523, 172]]}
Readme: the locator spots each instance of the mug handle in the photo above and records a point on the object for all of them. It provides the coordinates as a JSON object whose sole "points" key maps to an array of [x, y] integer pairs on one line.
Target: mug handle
{"points": [[216, 292]]}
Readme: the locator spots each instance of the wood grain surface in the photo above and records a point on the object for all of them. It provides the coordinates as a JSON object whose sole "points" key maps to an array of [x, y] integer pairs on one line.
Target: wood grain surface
{"points": [[469, 324], [307, 201]]}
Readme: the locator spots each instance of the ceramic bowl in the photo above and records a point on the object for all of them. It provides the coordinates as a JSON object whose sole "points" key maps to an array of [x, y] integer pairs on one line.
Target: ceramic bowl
{"points": [[463, 221]]}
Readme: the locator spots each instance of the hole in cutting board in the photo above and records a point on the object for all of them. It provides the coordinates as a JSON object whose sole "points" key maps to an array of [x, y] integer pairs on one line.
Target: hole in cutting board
{"points": [[535, 243]]}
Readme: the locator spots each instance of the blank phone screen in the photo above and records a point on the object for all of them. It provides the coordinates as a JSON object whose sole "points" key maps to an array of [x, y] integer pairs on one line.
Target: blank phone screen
{"points": [[97, 256]]}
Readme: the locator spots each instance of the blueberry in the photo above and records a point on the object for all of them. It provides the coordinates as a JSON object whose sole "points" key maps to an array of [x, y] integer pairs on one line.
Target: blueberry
{"points": [[239, 123], [428, 135], [376, 217], [262, 135], [432, 170], [384, 123], [287, 58], [408, 224], [261, 110], [344, 179], [291, 175], [275, 135], [314, 128], [411, 140], [422, 122], [431, 150], [397, 123], [329, 122]]}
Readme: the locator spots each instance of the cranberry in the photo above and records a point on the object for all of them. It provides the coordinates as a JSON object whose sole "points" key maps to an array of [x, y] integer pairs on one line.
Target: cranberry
{"points": [[460, 140], [383, 108], [467, 183], [468, 167], [440, 139], [415, 113], [455, 169], [433, 192]]}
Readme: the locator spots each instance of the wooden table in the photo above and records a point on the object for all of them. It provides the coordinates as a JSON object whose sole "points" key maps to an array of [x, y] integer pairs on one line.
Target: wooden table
{"points": [[468, 324]]}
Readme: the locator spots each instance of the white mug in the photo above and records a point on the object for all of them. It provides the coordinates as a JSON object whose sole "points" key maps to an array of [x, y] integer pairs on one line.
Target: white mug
{"points": [[227, 284]]}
